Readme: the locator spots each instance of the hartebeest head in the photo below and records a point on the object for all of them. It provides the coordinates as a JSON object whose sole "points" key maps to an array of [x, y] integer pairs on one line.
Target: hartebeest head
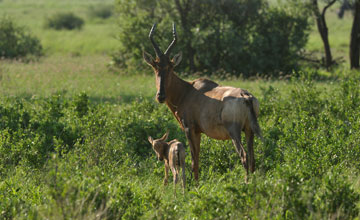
{"points": [[163, 66]]}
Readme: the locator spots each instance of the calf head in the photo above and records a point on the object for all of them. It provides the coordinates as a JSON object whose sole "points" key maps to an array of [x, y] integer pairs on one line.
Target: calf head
{"points": [[159, 146]]}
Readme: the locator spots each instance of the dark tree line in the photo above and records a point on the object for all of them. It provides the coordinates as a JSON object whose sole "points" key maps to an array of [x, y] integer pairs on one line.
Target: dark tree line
{"points": [[235, 36]]}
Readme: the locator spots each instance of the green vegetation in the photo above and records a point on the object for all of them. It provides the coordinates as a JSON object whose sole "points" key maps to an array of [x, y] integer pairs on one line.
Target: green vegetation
{"points": [[79, 158], [100, 11], [217, 35], [96, 37], [65, 20], [16, 42], [73, 135]]}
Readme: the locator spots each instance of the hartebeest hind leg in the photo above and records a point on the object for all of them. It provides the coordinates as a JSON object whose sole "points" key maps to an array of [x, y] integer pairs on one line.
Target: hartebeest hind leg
{"points": [[235, 134], [249, 134]]}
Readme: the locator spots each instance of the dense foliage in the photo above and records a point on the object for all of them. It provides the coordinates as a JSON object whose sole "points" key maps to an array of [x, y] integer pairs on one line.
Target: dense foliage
{"points": [[64, 20], [16, 42], [71, 158], [236, 36]]}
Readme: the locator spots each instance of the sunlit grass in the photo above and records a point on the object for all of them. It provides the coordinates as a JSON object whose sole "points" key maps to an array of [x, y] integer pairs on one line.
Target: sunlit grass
{"points": [[72, 75], [96, 37]]}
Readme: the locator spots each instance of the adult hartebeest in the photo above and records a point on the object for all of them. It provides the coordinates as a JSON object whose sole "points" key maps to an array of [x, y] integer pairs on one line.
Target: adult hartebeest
{"points": [[203, 106]]}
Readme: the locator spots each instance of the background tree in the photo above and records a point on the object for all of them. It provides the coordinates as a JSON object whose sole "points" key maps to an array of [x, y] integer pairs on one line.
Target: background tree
{"points": [[234, 36], [355, 38], [323, 29], [17, 42]]}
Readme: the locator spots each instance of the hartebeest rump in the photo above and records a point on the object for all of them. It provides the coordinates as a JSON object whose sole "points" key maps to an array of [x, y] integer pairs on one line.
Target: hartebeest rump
{"points": [[203, 106]]}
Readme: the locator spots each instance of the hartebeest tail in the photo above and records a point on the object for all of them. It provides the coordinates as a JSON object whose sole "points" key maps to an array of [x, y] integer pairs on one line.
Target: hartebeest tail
{"points": [[253, 119]]}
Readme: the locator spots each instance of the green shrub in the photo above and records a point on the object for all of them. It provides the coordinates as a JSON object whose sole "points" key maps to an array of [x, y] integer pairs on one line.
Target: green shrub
{"points": [[16, 42], [100, 11], [237, 36], [29, 136], [74, 159], [64, 20]]}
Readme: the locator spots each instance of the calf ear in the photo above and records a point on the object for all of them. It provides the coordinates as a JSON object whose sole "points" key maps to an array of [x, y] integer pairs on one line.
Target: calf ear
{"points": [[148, 59], [165, 136], [177, 59], [150, 139]]}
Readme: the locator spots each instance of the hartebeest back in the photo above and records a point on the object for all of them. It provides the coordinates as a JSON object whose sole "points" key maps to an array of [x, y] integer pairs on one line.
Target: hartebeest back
{"points": [[203, 106]]}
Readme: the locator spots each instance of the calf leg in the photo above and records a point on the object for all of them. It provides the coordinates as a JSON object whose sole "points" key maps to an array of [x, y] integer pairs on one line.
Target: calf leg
{"points": [[183, 176], [175, 178], [166, 174]]}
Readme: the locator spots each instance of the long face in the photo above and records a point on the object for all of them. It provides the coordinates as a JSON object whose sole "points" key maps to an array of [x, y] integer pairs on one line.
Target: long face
{"points": [[162, 65], [163, 71]]}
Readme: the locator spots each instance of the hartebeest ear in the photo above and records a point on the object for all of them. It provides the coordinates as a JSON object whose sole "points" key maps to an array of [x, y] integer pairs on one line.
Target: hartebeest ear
{"points": [[177, 59], [151, 140], [165, 136], [148, 59]]}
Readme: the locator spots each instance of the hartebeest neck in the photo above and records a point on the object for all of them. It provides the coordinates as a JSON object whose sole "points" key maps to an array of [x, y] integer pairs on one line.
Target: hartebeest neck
{"points": [[176, 91]]}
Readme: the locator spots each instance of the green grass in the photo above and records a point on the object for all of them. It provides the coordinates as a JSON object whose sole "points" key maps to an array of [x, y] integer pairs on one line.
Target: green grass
{"points": [[69, 76], [96, 37], [73, 136]]}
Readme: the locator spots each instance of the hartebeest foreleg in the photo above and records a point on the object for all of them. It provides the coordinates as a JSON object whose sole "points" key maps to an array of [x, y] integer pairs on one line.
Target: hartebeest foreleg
{"points": [[194, 143]]}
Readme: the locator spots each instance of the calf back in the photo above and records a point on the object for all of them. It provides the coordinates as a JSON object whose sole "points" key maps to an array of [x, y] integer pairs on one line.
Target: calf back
{"points": [[176, 154]]}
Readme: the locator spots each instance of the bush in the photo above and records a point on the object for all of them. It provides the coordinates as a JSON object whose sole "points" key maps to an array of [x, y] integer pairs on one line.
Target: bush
{"points": [[101, 11], [66, 20], [16, 42], [73, 159], [236, 36]]}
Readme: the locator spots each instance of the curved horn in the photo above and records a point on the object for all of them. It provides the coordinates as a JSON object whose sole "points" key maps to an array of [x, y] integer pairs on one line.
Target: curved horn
{"points": [[167, 52], [156, 47]]}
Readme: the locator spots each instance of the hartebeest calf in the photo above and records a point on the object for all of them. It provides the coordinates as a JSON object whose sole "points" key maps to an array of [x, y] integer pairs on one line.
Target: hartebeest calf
{"points": [[173, 154], [203, 106]]}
